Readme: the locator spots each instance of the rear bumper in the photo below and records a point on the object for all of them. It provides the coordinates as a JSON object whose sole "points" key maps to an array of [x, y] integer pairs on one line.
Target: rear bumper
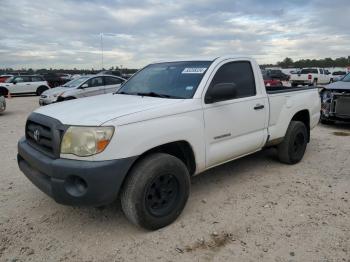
{"points": [[301, 82], [73, 182]]}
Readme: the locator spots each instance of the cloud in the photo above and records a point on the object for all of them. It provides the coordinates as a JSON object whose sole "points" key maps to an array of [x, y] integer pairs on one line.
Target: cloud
{"points": [[67, 33]]}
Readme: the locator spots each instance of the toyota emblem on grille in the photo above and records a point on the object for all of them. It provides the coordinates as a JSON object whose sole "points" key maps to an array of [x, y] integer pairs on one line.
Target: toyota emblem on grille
{"points": [[36, 135]]}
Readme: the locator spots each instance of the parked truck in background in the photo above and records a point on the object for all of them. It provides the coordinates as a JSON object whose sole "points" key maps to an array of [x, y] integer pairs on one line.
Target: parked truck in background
{"points": [[170, 121], [310, 76]]}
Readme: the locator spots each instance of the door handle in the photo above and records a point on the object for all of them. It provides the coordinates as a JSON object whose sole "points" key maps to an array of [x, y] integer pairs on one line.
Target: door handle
{"points": [[258, 107]]}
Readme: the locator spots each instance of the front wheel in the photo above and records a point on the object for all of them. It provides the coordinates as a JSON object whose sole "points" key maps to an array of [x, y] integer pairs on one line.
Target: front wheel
{"points": [[293, 147], [156, 191], [41, 89]]}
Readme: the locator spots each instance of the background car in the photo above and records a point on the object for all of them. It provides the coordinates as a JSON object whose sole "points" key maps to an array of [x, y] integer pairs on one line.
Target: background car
{"points": [[277, 74], [83, 86], [268, 81], [337, 75], [335, 99], [24, 84], [4, 77]]}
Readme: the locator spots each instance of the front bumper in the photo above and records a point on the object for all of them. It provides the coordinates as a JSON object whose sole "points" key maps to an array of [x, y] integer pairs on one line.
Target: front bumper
{"points": [[73, 182], [46, 101]]}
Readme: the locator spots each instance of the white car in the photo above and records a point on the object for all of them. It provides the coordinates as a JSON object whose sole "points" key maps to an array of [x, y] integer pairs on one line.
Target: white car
{"points": [[337, 75], [170, 121], [83, 86], [310, 76], [24, 84]]}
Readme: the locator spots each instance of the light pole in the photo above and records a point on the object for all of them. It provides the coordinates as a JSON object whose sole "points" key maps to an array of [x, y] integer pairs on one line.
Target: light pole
{"points": [[101, 34]]}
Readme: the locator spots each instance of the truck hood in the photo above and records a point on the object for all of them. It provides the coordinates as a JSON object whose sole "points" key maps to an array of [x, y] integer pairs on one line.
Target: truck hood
{"points": [[96, 110], [339, 85]]}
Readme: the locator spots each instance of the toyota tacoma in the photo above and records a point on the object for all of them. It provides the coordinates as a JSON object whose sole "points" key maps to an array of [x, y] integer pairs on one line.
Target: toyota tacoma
{"points": [[170, 121]]}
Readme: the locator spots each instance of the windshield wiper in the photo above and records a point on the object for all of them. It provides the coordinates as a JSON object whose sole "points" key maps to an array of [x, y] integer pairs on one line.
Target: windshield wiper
{"points": [[154, 94]]}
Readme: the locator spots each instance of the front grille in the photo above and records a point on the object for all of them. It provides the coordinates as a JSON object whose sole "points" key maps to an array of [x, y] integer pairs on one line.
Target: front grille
{"points": [[44, 137], [342, 107], [44, 134]]}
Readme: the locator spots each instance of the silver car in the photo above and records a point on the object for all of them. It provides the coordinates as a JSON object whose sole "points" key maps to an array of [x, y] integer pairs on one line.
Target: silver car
{"points": [[2, 104], [84, 86]]}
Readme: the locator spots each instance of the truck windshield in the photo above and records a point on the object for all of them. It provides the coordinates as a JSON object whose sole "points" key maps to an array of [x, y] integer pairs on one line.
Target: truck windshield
{"points": [[167, 80]]}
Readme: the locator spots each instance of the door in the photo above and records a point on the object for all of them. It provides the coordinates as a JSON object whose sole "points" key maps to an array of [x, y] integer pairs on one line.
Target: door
{"points": [[21, 84], [94, 87], [238, 126], [112, 84]]}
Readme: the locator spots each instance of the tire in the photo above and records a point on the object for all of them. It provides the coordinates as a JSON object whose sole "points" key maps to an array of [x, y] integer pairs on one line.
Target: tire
{"points": [[293, 147], [156, 191], [314, 83], [40, 90], [294, 84], [3, 91]]}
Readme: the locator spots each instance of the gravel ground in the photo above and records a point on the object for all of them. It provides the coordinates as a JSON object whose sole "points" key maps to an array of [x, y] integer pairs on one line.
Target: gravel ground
{"points": [[252, 209]]}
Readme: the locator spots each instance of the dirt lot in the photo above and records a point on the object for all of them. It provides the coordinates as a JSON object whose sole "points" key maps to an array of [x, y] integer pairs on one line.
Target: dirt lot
{"points": [[253, 209]]}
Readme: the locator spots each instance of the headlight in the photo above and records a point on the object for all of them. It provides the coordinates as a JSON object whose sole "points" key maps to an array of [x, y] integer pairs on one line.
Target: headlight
{"points": [[86, 141]]}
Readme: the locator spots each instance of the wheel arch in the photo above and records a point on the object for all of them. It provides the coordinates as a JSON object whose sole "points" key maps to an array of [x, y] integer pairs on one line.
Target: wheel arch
{"points": [[303, 116], [180, 149]]}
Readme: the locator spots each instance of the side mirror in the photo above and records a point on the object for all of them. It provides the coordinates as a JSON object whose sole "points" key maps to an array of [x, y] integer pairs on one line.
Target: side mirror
{"points": [[14, 82], [221, 92], [84, 86]]}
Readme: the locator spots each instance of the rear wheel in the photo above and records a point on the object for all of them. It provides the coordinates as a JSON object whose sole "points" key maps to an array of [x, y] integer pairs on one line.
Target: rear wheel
{"points": [[156, 191], [294, 84], [293, 147]]}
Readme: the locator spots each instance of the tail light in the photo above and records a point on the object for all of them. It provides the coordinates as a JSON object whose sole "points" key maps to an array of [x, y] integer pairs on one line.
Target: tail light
{"points": [[309, 77]]}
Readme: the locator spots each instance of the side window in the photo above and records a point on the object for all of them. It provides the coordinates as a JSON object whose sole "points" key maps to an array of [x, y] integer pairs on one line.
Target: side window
{"points": [[96, 81], [238, 73], [37, 79], [112, 81], [321, 71], [21, 79]]}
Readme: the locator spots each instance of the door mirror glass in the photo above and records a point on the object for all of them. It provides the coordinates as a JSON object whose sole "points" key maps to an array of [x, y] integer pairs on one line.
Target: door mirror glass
{"points": [[221, 92], [84, 86]]}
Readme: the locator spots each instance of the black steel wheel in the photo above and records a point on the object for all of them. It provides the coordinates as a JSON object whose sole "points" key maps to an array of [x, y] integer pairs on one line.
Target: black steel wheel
{"points": [[156, 191], [293, 147]]}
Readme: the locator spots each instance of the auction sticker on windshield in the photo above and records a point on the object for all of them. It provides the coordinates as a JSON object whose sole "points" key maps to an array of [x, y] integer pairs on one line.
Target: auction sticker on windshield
{"points": [[194, 70]]}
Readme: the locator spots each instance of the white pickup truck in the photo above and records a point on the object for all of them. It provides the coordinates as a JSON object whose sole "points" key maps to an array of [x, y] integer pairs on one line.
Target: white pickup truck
{"points": [[170, 121], [310, 76]]}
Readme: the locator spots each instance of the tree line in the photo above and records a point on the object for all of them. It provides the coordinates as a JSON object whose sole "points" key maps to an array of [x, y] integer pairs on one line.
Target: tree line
{"points": [[324, 62]]}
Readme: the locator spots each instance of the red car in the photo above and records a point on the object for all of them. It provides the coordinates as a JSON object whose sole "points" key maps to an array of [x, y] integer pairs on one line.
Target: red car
{"points": [[4, 77], [268, 81]]}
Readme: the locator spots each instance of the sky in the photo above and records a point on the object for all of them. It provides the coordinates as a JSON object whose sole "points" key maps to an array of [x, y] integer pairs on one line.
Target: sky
{"points": [[67, 33]]}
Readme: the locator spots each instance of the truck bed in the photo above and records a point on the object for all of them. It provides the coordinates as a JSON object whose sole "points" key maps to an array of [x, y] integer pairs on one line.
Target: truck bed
{"points": [[284, 89]]}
